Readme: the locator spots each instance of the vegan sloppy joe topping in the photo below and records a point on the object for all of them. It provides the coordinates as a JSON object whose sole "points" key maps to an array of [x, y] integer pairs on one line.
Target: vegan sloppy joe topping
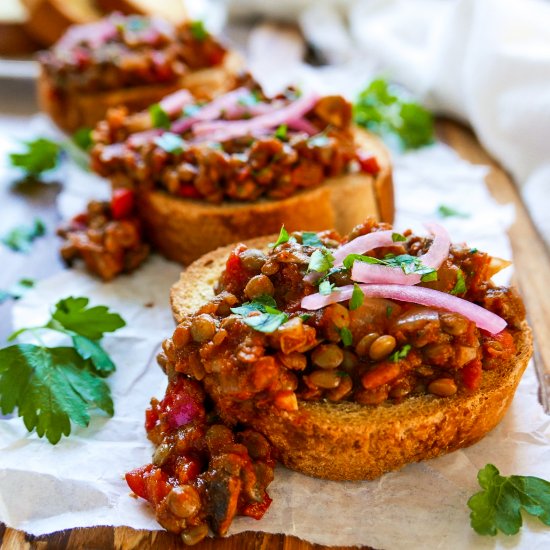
{"points": [[124, 51], [240, 147], [308, 320]]}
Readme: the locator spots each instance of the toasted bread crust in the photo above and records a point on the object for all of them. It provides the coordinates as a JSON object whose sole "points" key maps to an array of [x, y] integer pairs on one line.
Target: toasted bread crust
{"points": [[74, 111], [348, 441], [185, 229]]}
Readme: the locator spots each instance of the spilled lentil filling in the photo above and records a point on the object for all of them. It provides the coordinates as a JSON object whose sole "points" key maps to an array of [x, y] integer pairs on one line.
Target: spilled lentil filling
{"points": [[271, 162], [124, 51]]}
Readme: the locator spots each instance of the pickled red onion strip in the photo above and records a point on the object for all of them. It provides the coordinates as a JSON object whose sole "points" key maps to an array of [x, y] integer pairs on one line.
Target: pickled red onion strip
{"points": [[303, 125], [225, 130], [175, 102], [143, 138], [483, 318], [212, 111], [363, 272], [363, 244]]}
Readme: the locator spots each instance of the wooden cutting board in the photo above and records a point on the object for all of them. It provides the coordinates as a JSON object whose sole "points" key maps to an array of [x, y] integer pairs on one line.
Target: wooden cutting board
{"points": [[531, 259]]}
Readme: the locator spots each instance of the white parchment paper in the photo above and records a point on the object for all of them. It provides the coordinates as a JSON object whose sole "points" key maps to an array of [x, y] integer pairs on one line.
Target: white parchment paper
{"points": [[79, 482]]}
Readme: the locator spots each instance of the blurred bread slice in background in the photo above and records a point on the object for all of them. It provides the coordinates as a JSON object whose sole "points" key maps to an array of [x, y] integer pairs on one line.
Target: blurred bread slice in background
{"points": [[48, 19], [14, 38], [173, 10]]}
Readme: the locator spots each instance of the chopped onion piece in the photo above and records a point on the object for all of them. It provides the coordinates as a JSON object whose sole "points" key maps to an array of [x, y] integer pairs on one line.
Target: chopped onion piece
{"points": [[175, 102], [143, 138], [483, 318], [303, 125]]}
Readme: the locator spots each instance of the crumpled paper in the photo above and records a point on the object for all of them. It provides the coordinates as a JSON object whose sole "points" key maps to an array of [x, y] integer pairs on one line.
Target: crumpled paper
{"points": [[79, 482]]}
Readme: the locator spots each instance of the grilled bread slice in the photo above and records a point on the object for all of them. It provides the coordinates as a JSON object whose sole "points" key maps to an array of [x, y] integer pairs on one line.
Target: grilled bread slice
{"points": [[348, 441], [173, 10], [185, 229]]}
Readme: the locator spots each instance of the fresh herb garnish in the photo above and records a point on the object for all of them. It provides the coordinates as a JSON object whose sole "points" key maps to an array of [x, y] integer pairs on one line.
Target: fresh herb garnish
{"points": [[326, 287], [473, 250], [171, 143], [398, 238], [448, 212], [268, 318], [40, 156], [159, 117], [357, 297], [253, 98], [389, 311], [319, 140], [499, 505], [460, 285], [281, 132], [305, 316], [21, 237], [54, 386], [407, 263], [400, 354], [198, 31], [17, 290], [191, 110], [283, 238], [347, 336], [383, 109], [311, 239], [321, 260], [83, 138]]}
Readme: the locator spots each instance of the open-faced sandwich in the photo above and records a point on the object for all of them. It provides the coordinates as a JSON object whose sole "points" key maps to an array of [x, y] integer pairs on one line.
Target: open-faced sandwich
{"points": [[351, 356], [132, 61], [208, 174]]}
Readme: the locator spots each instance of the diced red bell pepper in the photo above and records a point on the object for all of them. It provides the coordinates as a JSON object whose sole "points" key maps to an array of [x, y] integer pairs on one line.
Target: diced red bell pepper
{"points": [[471, 374], [257, 509], [368, 163], [189, 192], [122, 203], [149, 483]]}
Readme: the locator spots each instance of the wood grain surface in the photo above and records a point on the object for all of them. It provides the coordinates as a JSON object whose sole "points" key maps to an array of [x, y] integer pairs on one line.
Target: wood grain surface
{"points": [[532, 261]]}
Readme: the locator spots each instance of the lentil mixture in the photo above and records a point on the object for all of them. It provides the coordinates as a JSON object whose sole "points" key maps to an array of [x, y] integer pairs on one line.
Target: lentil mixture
{"points": [[273, 164], [107, 237], [381, 351], [125, 51]]}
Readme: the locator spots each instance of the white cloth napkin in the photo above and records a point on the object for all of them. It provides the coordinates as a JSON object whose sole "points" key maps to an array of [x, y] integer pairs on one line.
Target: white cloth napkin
{"points": [[486, 62]]}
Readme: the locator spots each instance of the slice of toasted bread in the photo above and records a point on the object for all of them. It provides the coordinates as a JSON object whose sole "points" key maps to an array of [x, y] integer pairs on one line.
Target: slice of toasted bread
{"points": [[185, 229], [348, 441], [49, 19], [173, 10], [73, 111], [14, 39]]}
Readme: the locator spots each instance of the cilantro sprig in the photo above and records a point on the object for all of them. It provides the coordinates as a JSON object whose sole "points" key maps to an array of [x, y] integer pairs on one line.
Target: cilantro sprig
{"points": [[159, 117], [499, 505], [407, 263], [445, 211], [39, 155], [17, 290], [265, 315], [198, 31], [52, 387], [386, 110], [321, 260], [20, 238], [284, 237]]}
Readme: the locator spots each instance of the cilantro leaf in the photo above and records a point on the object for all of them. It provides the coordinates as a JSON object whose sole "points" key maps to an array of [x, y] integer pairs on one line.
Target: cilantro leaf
{"points": [[400, 354], [89, 349], [159, 117], [398, 238], [171, 143], [283, 238], [198, 31], [499, 505], [83, 138], [72, 314], [281, 132], [347, 336], [385, 110], [269, 318], [17, 290], [448, 212], [19, 239], [357, 298], [40, 156], [50, 388], [407, 263], [321, 260], [311, 239], [460, 285], [325, 288]]}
